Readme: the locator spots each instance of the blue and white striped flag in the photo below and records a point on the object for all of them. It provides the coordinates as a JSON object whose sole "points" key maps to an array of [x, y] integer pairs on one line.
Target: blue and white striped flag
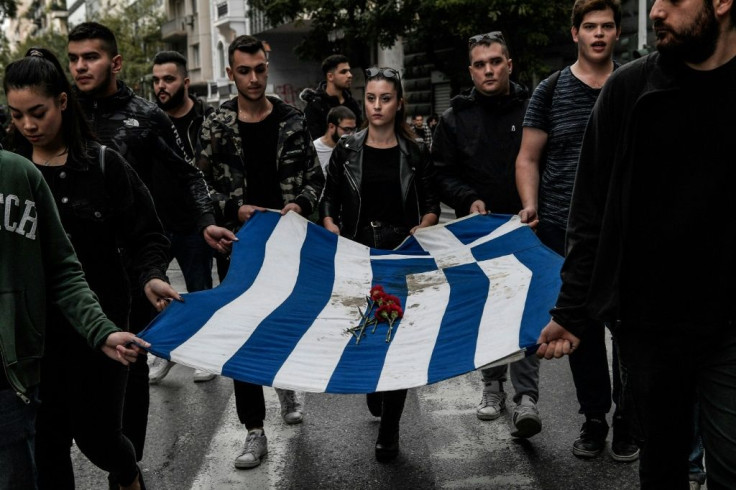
{"points": [[475, 291]]}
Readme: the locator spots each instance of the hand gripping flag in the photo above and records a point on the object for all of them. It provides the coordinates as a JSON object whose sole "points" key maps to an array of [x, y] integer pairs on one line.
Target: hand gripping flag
{"points": [[475, 291]]}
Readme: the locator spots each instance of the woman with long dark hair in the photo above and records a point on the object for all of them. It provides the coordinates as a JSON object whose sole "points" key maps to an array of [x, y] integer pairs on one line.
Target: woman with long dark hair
{"points": [[109, 216], [379, 189]]}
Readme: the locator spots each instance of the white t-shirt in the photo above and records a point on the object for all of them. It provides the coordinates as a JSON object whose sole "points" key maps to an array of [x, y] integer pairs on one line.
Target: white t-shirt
{"points": [[323, 153]]}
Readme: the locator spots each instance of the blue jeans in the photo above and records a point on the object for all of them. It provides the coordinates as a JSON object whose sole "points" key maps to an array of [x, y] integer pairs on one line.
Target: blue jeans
{"points": [[195, 259], [17, 433], [665, 368]]}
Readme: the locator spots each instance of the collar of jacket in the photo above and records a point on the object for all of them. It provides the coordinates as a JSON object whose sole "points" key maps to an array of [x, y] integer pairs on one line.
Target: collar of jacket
{"points": [[517, 94], [356, 141], [119, 99], [201, 109], [321, 93], [281, 109]]}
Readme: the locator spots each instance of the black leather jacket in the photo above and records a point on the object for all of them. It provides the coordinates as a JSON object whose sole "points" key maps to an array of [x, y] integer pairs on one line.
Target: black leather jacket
{"points": [[148, 141], [342, 201]]}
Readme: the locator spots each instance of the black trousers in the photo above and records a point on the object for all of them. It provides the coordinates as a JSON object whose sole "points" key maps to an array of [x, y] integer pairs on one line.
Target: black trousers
{"points": [[82, 395], [665, 369], [137, 398], [589, 363]]}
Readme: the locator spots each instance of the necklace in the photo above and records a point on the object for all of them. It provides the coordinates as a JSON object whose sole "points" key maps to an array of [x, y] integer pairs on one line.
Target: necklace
{"points": [[63, 152]]}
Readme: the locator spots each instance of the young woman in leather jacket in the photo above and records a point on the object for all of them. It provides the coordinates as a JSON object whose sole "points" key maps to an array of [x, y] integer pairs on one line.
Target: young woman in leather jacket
{"points": [[378, 191], [109, 217]]}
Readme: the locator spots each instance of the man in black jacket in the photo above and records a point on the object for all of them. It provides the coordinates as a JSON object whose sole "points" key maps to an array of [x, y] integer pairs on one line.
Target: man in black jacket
{"points": [[474, 151], [334, 91], [650, 239], [147, 139], [187, 112]]}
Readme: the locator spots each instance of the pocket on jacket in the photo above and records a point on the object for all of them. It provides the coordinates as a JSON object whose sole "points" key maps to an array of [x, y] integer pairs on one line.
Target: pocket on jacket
{"points": [[16, 322], [87, 210]]}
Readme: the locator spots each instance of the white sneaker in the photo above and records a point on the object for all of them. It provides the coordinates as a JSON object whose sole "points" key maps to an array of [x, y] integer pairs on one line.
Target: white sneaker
{"points": [[201, 376], [491, 405], [291, 406], [159, 369], [254, 450]]}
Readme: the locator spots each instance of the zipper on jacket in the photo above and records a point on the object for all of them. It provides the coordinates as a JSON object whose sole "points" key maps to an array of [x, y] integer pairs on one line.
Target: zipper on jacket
{"points": [[354, 185], [18, 392]]}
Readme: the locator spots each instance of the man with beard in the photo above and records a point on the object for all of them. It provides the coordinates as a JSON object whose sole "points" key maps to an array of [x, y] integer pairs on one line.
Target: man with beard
{"points": [[655, 183], [257, 155], [340, 121], [147, 139], [553, 133], [332, 92], [474, 150], [194, 256]]}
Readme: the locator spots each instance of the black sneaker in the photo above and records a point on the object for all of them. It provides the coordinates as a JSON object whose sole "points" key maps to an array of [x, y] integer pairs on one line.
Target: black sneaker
{"points": [[623, 446], [592, 438]]}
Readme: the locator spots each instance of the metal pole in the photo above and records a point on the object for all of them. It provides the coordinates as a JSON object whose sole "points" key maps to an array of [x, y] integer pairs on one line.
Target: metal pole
{"points": [[642, 31]]}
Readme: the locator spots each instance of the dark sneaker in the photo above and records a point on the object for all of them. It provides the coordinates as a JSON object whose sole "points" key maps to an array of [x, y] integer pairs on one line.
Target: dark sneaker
{"points": [[592, 438], [526, 418], [387, 445], [623, 446]]}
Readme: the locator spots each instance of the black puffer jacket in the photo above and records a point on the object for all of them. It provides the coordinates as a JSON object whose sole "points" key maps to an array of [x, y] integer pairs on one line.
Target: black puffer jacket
{"points": [[148, 140], [474, 150], [342, 201], [319, 104]]}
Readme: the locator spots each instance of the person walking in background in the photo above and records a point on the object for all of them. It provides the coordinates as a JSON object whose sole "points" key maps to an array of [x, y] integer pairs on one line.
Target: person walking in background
{"points": [[660, 138], [545, 172], [257, 154], [38, 267], [332, 92], [421, 130], [474, 150], [149, 142], [104, 207], [340, 122], [384, 156], [187, 112]]}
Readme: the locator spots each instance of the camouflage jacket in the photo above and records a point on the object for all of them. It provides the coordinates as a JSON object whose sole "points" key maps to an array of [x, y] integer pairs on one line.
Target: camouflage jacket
{"points": [[222, 160]]}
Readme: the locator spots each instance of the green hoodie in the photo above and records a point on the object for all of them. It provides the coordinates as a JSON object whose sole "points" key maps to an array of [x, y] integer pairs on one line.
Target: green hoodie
{"points": [[37, 260]]}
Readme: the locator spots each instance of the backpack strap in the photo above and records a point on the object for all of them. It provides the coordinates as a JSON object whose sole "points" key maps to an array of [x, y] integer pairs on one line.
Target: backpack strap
{"points": [[551, 86]]}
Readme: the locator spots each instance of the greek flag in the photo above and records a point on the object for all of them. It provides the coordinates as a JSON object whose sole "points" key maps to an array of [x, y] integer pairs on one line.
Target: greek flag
{"points": [[475, 291]]}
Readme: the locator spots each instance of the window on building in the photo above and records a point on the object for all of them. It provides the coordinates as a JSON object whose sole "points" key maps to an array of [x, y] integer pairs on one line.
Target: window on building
{"points": [[195, 56], [222, 9], [221, 59], [194, 7]]}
